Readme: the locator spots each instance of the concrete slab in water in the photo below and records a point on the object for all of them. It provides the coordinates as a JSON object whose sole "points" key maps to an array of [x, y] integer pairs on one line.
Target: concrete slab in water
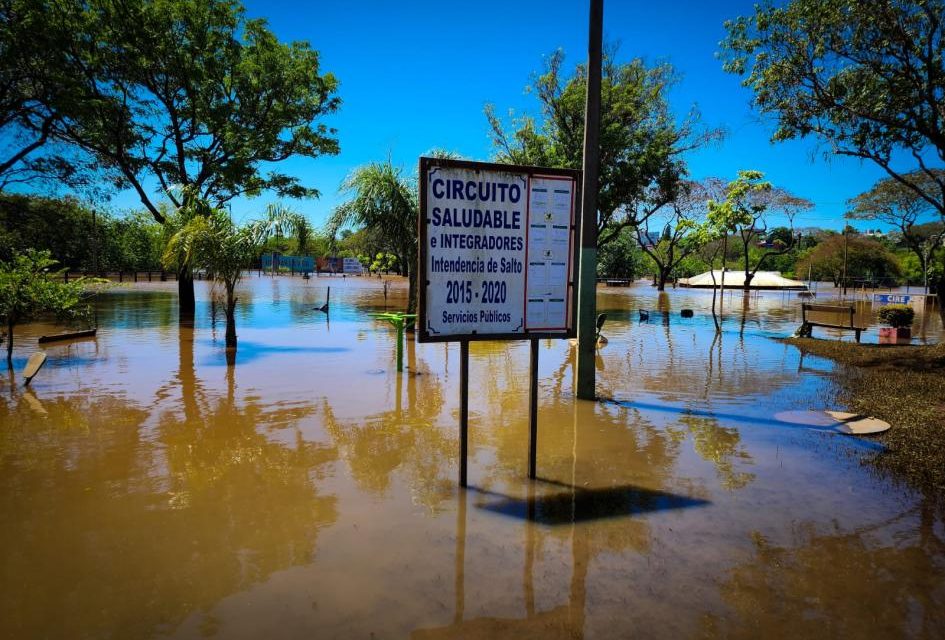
{"points": [[842, 416], [864, 426]]}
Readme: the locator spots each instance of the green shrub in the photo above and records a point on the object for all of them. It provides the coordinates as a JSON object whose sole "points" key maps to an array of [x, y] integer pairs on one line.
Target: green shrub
{"points": [[896, 315]]}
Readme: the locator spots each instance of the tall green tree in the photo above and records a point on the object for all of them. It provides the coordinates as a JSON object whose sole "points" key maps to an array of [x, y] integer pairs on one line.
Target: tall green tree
{"points": [[641, 143], [194, 95], [207, 99], [740, 205], [867, 78], [384, 200], [621, 258]]}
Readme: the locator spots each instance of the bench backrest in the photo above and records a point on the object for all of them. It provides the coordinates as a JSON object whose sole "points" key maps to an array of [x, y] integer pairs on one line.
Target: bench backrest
{"points": [[828, 314]]}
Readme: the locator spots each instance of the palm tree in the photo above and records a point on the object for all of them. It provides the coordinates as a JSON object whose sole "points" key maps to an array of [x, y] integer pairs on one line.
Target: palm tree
{"points": [[384, 200], [214, 243]]}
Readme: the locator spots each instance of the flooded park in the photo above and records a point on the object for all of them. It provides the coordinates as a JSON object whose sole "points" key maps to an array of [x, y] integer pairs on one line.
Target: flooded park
{"points": [[149, 490], [415, 320]]}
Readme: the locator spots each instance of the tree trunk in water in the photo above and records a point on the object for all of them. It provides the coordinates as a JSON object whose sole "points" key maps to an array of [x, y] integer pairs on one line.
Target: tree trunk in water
{"points": [[230, 321], [748, 278], [186, 302], [664, 276], [10, 342]]}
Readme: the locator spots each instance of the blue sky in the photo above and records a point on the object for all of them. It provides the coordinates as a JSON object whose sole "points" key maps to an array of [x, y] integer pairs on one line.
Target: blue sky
{"points": [[416, 75]]}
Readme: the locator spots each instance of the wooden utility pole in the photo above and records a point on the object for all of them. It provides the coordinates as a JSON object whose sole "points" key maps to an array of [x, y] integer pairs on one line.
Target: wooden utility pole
{"points": [[587, 278]]}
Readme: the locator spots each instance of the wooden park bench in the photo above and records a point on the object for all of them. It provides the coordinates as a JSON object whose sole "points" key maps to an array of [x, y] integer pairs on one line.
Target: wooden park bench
{"points": [[827, 315]]}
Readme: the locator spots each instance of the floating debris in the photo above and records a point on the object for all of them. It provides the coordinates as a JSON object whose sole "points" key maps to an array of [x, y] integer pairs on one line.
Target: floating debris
{"points": [[74, 335]]}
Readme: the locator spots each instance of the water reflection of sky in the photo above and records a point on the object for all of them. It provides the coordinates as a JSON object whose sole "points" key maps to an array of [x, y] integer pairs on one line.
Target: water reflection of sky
{"points": [[152, 491]]}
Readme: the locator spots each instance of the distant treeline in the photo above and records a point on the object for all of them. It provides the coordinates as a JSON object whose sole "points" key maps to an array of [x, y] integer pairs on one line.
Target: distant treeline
{"points": [[79, 238], [818, 254], [86, 240]]}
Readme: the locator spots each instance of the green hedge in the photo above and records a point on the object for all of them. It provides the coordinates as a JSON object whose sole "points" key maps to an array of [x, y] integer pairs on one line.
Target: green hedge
{"points": [[896, 315]]}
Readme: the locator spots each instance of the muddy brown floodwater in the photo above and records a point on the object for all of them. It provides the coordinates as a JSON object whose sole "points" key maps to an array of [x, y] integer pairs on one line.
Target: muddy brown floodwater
{"points": [[147, 490]]}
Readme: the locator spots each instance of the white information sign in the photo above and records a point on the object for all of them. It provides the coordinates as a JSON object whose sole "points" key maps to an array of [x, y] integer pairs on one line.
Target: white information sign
{"points": [[496, 251]]}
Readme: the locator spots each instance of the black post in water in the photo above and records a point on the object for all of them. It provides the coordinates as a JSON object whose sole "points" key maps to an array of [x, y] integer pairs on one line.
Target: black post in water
{"points": [[533, 412], [463, 408], [587, 279]]}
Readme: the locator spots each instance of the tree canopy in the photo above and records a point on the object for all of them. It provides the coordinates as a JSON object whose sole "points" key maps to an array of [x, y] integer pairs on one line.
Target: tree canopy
{"points": [[76, 237], [641, 143], [188, 93], [38, 89], [866, 258], [868, 78], [896, 204]]}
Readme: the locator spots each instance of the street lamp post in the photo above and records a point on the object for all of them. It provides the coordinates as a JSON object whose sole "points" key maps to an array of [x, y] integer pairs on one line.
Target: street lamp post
{"points": [[845, 243], [927, 247]]}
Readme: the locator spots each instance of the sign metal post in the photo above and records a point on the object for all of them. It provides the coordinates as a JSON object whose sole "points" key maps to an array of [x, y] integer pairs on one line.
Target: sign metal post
{"points": [[497, 261], [463, 409], [533, 411]]}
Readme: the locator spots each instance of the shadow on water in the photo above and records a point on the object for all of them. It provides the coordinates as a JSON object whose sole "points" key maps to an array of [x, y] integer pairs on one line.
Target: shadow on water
{"points": [[580, 504], [706, 413]]}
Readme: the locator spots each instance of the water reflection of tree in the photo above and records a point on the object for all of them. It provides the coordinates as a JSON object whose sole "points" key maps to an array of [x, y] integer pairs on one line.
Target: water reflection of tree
{"points": [[121, 531], [673, 365], [881, 581], [719, 445], [124, 309], [405, 438]]}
